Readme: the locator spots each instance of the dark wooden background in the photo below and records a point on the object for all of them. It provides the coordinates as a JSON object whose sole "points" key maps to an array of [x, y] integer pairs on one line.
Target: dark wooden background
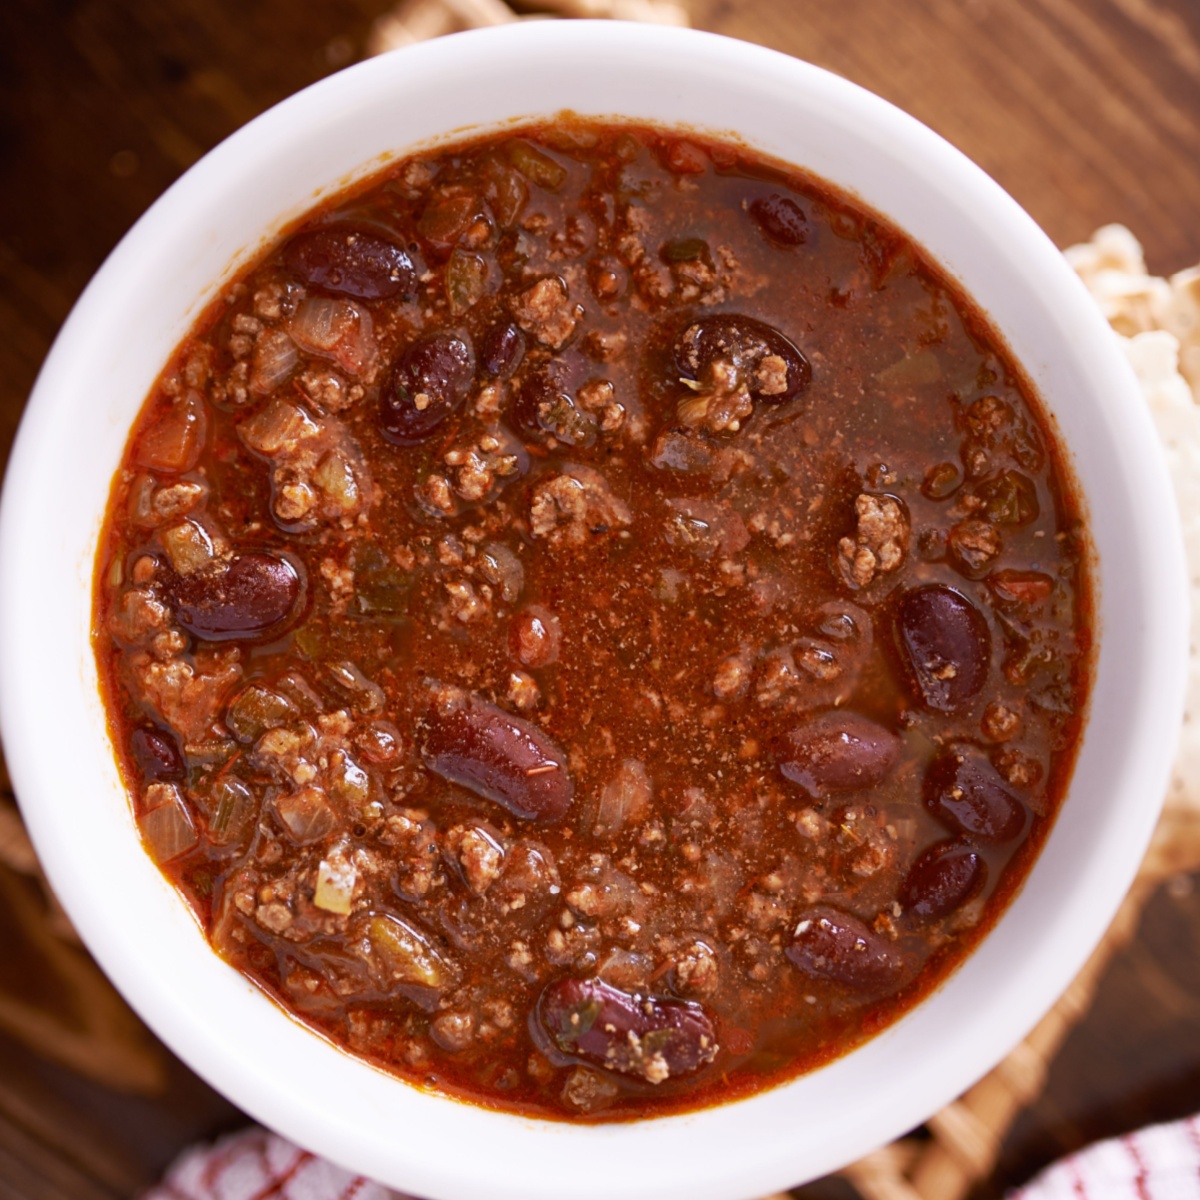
{"points": [[1088, 111]]}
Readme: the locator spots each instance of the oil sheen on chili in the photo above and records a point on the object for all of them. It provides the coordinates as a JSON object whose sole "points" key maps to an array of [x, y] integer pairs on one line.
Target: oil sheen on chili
{"points": [[593, 622]]}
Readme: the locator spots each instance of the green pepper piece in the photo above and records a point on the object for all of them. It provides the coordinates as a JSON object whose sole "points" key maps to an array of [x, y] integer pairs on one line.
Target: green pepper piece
{"points": [[466, 278], [1010, 499], [537, 166]]}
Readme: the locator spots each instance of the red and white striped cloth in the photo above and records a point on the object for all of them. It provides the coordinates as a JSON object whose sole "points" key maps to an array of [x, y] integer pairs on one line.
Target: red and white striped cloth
{"points": [[1160, 1162], [257, 1165]]}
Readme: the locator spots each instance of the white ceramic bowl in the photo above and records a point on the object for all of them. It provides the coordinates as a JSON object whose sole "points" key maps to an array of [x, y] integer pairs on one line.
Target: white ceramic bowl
{"points": [[144, 300]]}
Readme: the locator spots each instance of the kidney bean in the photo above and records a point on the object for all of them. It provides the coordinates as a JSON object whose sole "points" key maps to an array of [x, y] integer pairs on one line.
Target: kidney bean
{"points": [[351, 262], [944, 877], [534, 637], [831, 944], [501, 351], [250, 596], [838, 751], [157, 755], [428, 383], [965, 792], [780, 219], [752, 347], [652, 1037], [944, 644], [497, 756]]}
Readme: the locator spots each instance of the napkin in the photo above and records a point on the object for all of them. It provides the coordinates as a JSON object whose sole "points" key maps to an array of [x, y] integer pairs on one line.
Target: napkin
{"points": [[257, 1165], [1160, 1162]]}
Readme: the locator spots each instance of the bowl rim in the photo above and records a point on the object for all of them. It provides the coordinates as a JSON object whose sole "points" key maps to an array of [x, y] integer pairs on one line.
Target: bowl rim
{"points": [[628, 1163]]}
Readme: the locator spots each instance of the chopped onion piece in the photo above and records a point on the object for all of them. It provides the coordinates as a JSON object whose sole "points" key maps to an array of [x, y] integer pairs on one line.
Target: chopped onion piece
{"points": [[307, 814], [336, 877], [278, 429], [168, 830], [257, 709], [626, 969], [335, 477], [232, 811], [275, 358], [317, 323], [349, 676], [402, 953], [336, 329], [349, 782], [173, 443], [188, 546], [625, 798], [141, 501]]}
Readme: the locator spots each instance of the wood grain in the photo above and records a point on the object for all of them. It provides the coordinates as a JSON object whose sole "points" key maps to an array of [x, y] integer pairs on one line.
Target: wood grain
{"points": [[1087, 111]]}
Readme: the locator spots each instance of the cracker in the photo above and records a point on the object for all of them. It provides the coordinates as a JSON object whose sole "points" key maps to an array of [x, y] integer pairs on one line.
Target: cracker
{"points": [[1158, 321]]}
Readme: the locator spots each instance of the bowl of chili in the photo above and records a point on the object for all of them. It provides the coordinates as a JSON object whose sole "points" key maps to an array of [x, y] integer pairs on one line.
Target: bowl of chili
{"points": [[457, 398]]}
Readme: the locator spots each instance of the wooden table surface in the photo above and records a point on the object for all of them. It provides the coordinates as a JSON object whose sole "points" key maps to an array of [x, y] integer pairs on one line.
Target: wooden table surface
{"points": [[1087, 111]]}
